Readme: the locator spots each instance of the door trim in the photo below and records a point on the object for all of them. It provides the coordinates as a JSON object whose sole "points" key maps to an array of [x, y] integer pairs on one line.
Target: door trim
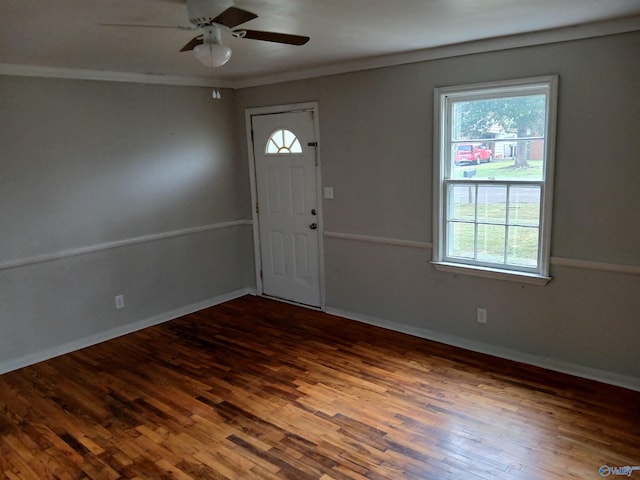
{"points": [[271, 110]]}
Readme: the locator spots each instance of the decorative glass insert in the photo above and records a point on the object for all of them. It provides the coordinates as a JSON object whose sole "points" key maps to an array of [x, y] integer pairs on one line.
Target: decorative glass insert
{"points": [[283, 142]]}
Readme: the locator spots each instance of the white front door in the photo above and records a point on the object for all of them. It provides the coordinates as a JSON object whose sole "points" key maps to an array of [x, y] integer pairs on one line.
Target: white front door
{"points": [[284, 148]]}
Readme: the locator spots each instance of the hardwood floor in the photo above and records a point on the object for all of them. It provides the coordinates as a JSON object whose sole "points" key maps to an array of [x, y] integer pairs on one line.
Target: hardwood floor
{"points": [[259, 389]]}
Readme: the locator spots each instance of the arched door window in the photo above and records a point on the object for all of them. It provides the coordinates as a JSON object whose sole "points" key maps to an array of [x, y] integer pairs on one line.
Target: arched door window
{"points": [[283, 142]]}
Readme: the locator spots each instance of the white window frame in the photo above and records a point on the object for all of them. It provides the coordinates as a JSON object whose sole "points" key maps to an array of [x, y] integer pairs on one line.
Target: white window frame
{"points": [[443, 98]]}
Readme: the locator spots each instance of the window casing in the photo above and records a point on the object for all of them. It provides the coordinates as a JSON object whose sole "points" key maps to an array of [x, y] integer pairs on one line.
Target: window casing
{"points": [[493, 178]]}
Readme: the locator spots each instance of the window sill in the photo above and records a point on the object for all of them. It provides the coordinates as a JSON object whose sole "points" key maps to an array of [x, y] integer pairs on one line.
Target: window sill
{"points": [[494, 273]]}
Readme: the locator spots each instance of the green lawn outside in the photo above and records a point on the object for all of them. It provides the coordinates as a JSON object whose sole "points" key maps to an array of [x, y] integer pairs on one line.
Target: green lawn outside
{"points": [[502, 170], [522, 245]]}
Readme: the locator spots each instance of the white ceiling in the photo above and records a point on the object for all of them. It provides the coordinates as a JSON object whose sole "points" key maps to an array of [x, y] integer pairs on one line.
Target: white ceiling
{"points": [[345, 34]]}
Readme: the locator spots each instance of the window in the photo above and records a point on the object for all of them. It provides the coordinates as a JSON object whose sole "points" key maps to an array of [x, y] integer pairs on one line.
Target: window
{"points": [[493, 172], [283, 142]]}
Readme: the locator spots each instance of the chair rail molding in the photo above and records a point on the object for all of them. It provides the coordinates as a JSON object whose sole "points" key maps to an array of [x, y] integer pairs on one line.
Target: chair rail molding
{"points": [[73, 252], [555, 261]]}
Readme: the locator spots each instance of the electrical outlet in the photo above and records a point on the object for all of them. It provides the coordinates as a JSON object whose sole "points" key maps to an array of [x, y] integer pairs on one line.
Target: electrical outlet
{"points": [[481, 316], [119, 301]]}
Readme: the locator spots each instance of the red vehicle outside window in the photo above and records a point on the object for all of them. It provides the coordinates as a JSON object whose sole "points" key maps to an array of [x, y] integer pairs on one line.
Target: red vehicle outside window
{"points": [[475, 153]]}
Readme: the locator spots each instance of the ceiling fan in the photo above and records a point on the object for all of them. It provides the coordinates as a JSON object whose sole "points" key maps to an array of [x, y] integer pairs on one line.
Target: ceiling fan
{"points": [[214, 16]]}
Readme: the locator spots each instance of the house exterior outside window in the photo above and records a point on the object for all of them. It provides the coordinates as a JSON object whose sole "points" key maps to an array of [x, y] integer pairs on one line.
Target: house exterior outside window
{"points": [[493, 178]]}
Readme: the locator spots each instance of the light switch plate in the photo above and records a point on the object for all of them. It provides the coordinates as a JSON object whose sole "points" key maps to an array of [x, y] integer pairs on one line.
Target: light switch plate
{"points": [[328, 193]]}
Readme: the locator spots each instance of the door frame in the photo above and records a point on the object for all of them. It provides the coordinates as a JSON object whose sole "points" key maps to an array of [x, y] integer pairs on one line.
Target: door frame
{"points": [[271, 110]]}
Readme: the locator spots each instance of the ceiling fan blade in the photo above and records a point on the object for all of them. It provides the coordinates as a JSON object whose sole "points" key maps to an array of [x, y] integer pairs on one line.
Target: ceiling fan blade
{"points": [[193, 44], [233, 16], [272, 37]]}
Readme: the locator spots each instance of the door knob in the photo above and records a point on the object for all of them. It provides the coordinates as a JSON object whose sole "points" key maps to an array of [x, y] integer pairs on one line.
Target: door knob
{"points": [[313, 226]]}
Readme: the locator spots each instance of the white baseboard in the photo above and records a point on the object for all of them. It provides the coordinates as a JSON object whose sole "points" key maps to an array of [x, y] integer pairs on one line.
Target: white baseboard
{"points": [[34, 358], [632, 383]]}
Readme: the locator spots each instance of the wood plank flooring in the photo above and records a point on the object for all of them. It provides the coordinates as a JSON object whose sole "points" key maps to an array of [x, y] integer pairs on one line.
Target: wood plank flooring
{"points": [[258, 389]]}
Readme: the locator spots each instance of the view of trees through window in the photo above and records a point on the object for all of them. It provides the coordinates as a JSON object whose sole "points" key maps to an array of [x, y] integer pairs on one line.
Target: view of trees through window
{"points": [[502, 136], [494, 176]]}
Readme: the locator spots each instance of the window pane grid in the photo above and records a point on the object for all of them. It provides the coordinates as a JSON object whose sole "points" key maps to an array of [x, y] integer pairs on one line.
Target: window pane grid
{"points": [[510, 139], [489, 241], [495, 174], [283, 142]]}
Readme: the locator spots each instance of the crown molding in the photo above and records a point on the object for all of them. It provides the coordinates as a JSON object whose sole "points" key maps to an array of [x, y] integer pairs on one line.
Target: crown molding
{"points": [[110, 76], [556, 35]]}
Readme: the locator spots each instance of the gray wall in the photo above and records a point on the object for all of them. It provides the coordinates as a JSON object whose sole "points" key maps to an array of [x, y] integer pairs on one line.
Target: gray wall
{"points": [[376, 131], [85, 164]]}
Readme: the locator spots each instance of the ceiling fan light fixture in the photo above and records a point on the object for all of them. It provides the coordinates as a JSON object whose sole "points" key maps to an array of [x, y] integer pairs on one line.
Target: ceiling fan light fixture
{"points": [[212, 53]]}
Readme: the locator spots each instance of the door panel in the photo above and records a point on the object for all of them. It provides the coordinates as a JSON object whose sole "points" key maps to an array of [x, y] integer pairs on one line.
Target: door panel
{"points": [[301, 256], [275, 191], [287, 199], [277, 254]]}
